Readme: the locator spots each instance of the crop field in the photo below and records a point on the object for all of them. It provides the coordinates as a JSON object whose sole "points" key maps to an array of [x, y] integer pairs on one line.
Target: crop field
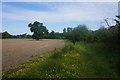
{"points": [[18, 51]]}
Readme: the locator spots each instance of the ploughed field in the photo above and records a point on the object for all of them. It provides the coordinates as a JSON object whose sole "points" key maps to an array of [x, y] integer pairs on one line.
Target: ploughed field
{"points": [[18, 51]]}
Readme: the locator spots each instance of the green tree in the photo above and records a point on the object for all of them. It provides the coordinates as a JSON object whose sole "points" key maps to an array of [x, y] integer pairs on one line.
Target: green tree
{"points": [[52, 35], [118, 26], [69, 29], [101, 35], [64, 30], [0, 35], [79, 33], [6, 35], [39, 31]]}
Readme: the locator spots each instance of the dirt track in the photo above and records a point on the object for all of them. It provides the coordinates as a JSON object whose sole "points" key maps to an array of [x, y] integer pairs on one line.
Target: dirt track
{"points": [[18, 51]]}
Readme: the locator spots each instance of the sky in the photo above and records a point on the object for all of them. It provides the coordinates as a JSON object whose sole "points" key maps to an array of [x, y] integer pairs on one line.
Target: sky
{"points": [[56, 15], [60, 0]]}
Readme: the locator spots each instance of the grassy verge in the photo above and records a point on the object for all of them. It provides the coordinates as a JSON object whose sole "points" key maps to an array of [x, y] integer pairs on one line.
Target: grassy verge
{"points": [[83, 60]]}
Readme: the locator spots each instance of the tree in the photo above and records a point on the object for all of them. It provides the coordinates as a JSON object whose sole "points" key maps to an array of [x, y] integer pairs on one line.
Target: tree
{"points": [[64, 30], [52, 35], [39, 31], [69, 29], [102, 35], [0, 35], [118, 26], [79, 33], [6, 35]]}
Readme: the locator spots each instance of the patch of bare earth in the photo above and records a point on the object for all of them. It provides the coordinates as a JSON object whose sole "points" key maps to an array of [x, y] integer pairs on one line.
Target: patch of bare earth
{"points": [[18, 51]]}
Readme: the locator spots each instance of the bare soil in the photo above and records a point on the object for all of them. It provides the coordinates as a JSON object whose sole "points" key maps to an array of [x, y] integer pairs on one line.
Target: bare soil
{"points": [[18, 51]]}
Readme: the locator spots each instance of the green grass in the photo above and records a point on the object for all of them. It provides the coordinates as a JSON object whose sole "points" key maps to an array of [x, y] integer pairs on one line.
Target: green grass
{"points": [[83, 60]]}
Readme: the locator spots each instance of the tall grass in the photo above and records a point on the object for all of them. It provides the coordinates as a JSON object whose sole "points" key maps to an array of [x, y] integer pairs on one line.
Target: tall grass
{"points": [[83, 60]]}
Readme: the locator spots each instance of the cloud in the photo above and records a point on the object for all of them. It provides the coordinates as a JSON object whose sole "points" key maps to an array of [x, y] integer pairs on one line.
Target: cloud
{"points": [[64, 12]]}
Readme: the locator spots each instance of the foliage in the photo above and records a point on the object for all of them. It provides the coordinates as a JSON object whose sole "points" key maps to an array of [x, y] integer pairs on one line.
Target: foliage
{"points": [[52, 35], [39, 31], [6, 35], [110, 35], [0, 35], [21, 36], [79, 33], [55, 35], [118, 26], [69, 29], [64, 30]]}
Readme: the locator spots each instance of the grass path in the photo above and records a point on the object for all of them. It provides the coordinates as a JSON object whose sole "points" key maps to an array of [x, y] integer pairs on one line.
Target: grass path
{"points": [[84, 60]]}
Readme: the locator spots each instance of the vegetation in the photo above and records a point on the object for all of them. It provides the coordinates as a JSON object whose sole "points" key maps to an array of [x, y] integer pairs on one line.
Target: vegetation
{"points": [[79, 33], [83, 60], [6, 35], [0, 35], [88, 54], [106, 35], [38, 30]]}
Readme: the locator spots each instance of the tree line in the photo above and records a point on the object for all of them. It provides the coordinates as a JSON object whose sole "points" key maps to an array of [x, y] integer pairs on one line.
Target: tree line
{"points": [[82, 33], [41, 32], [6, 35], [110, 35], [51, 35], [79, 33]]}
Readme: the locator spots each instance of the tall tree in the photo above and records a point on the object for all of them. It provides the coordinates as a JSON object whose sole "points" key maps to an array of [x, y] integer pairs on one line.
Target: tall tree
{"points": [[69, 29], [38, 30], [64, 30], [52, 35], [78, 33]]}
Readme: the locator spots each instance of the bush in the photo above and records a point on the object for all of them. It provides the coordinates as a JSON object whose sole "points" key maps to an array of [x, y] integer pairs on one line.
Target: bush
{"points": [[68, 47], [57, 54]]}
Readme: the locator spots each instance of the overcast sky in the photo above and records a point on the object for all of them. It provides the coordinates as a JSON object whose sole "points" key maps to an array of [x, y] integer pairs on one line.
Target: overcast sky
{"points": [[56, 15]]}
